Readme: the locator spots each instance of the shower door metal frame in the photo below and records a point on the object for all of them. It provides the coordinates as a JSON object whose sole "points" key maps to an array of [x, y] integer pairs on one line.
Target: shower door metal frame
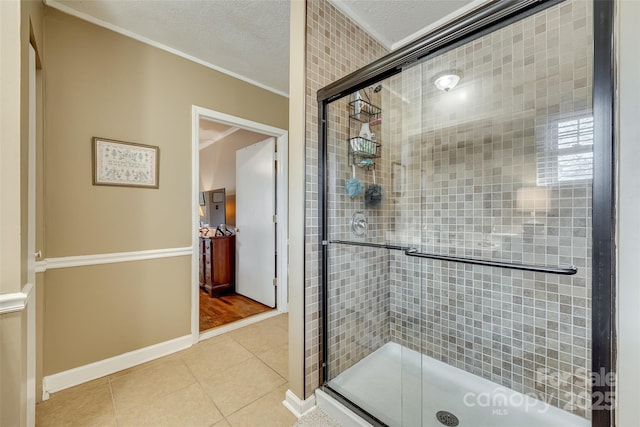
{"points": [[478, 22]]}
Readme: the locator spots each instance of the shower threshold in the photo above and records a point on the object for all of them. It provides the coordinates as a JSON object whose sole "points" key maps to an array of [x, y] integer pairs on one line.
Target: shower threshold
{"points": [[402, 387]]}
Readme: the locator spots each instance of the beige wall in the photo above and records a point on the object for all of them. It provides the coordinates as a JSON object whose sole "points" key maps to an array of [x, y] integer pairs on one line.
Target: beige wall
{"points": [[99, 83], [297, 35], [101, 311], [11, 344], [20, 24], [10, 147], [12, 376]]}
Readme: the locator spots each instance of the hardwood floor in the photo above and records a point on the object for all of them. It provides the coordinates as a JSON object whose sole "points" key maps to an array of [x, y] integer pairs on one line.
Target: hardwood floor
{"points": [[226, 309]]}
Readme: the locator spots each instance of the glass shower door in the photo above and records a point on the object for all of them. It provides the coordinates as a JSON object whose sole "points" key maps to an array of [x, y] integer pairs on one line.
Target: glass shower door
{"points": [[365, 365], [505, 160], [463, 297]]}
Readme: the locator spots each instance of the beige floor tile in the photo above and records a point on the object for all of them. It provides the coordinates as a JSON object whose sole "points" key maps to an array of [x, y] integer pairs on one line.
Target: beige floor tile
{"points": [[167, 392], [241, 385], [280, 321], [88, 404], [259, 337], [144, 386], [77, 422], [187, 407], [267, 411], [277, 359], [209, 357], [170, 357]]}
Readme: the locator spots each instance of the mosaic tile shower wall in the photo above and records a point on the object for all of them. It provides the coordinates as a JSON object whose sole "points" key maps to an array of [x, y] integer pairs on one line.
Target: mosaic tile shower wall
{"points": [[499, 168], [335, 48], [358, 282]]}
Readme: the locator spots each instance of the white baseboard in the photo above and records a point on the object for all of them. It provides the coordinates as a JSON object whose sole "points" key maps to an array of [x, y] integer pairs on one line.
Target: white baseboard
{"points": [[338, 411], [296, 406], [237, 324], [82, 374]]}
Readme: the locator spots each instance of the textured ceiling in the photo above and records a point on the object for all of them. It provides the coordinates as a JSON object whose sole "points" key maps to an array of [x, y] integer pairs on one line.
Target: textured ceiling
{"points": [[245, 38], [395, 23], [249, 39]]}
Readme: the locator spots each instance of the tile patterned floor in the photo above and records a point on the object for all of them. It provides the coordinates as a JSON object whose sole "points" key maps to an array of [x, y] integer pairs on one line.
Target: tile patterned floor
{"points": [[237, 379]]}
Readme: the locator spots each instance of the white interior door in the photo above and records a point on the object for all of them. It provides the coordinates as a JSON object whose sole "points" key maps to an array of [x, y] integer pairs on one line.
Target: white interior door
{"points": [[255, 208]]}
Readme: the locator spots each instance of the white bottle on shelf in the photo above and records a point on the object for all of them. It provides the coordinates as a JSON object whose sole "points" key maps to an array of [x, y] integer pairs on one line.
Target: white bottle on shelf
{"points": [[365, 131]]}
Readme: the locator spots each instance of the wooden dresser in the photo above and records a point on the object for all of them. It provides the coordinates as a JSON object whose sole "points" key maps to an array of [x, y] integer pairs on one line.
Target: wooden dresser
{"points": [[218, 264]]}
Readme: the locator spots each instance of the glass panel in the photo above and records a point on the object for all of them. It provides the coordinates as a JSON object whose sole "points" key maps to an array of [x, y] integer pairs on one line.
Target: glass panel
{"points": [[361, 366], [505, 158], [407, 309], [367, 362], [497, 167]]}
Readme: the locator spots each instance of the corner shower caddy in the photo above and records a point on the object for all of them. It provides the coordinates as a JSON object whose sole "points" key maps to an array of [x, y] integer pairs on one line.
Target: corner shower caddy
{"points": [[363, 151]]}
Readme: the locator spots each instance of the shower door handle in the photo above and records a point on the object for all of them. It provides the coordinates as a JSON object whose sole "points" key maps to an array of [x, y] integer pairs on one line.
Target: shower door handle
{"points": [[567, 271]]}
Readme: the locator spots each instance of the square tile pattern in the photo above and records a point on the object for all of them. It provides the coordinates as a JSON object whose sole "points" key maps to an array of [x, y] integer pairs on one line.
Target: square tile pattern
{"points": [[335, 47], [520, 117], [452, 168], [236, 379]]}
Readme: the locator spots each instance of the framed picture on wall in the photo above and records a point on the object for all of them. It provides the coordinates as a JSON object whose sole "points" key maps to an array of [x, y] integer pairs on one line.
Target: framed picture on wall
{"points": [[125, 164], [217, 196]]}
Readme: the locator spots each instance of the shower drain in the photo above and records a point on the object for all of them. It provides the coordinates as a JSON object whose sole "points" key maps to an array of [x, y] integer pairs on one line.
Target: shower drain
{"points": [[447, 418]]}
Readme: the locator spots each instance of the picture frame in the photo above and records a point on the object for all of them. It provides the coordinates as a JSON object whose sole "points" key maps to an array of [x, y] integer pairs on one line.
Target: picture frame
{"points": [[398, 177], [217, 196], [125, 164]]}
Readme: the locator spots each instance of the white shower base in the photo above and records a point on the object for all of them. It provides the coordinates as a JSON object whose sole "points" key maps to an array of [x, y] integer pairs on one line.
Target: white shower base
{"points": [[389, 385]]}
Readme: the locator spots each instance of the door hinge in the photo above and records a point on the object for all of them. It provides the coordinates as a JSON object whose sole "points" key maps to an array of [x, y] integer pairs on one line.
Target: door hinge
{"points": [[275, 155], [275, 219], [275, 281]]}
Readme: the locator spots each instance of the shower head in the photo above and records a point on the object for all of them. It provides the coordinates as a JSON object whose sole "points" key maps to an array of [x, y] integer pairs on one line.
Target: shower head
{"points": [[377, 89]]}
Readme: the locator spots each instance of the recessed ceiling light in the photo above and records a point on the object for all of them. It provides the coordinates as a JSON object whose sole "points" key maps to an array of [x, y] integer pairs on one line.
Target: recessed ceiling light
{"points": [[447, 81]]}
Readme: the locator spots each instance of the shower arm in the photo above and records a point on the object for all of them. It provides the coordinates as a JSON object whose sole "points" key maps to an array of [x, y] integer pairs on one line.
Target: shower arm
{"points": [[412, 252]]}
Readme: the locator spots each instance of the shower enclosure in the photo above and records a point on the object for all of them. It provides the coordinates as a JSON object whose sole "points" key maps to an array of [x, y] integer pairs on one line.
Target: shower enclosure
{"points": [[466, 293]]}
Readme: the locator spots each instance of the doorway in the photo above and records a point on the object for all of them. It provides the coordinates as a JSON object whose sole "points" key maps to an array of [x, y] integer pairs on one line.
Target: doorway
{"points": [[239, 169]]}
